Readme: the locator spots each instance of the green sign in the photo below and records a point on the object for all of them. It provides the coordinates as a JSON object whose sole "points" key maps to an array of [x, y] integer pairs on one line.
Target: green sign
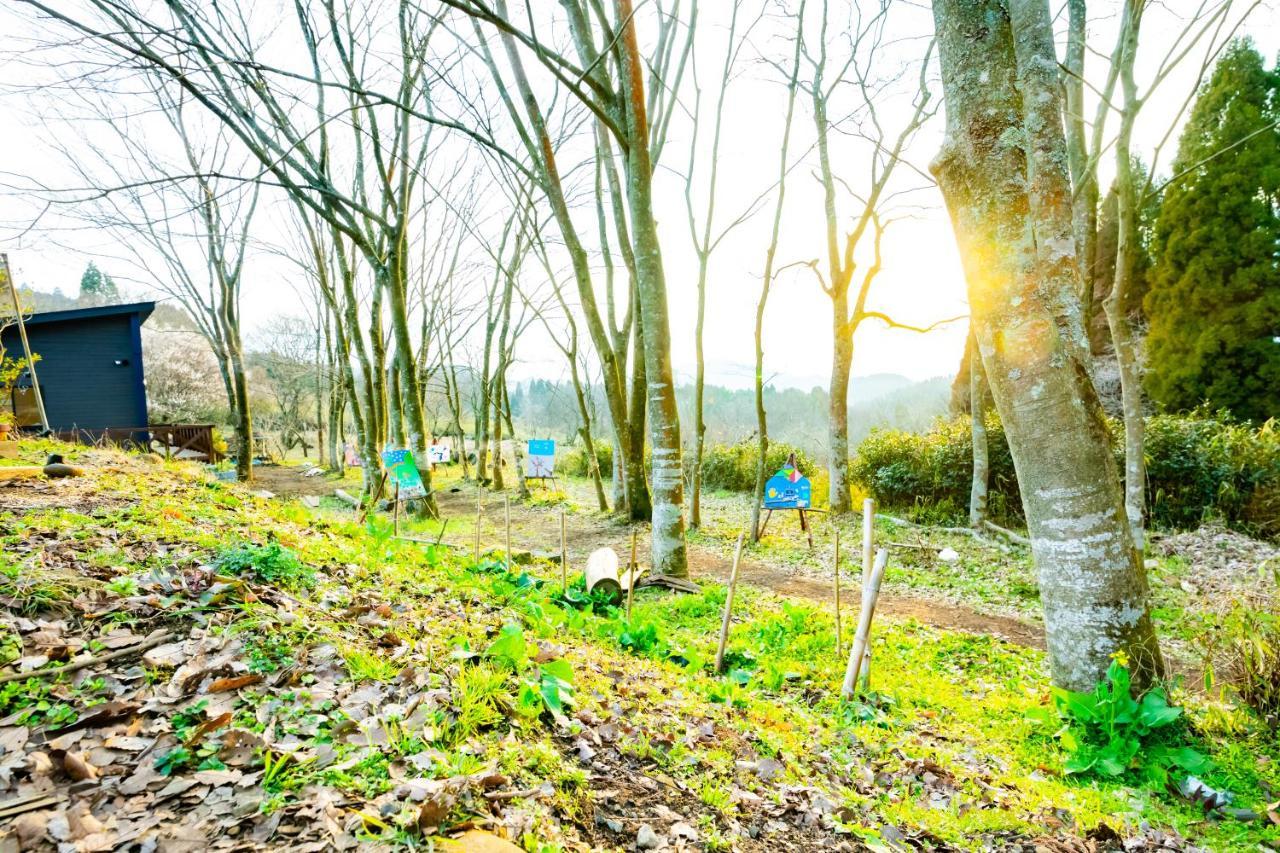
{"points": [[403, 472]]}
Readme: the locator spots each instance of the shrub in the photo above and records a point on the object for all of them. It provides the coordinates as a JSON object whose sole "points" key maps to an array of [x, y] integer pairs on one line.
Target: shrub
{"points": [[732, 467], [1199, 466], [928, 474], [574, 461]]}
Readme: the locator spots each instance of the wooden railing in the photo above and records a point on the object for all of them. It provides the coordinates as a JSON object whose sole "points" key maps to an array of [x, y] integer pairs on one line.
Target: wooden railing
{"points": [[190, 441]]}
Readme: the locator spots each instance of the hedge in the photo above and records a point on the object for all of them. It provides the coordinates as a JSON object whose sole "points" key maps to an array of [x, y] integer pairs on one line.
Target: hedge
{"points": [[1200, 466]]}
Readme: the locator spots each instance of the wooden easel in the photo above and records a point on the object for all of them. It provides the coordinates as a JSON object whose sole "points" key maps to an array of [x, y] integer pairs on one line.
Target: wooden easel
{"points": [[806, 523]]}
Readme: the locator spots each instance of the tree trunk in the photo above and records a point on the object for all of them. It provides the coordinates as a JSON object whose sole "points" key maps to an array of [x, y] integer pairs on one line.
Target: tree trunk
{"points": [[395, 402], [699, 380], [1116, 302], [978, 435], [668, 553], [1003, 172], [838, 401], [639, 505], [522, 485], [244, 419]]}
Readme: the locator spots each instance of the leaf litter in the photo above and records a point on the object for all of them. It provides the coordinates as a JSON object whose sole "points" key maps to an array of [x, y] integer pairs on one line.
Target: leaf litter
{"points": [[394, 693]]}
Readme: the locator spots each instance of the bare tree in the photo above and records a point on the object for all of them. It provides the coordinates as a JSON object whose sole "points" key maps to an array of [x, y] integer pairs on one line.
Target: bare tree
{"points": [[770, 259], [860, 69]]}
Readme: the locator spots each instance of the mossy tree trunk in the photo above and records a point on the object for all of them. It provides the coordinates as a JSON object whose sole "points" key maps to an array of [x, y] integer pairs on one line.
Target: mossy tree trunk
{"points": [[1003, 171]]}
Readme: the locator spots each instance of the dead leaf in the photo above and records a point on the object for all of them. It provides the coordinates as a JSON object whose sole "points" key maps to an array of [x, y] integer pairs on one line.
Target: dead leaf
{"points": [[77, 768], [233, 683], [106, 714], [208, 726]]}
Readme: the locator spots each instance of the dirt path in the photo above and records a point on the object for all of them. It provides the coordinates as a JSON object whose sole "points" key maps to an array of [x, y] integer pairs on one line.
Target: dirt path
{"points": [[537, 529]]}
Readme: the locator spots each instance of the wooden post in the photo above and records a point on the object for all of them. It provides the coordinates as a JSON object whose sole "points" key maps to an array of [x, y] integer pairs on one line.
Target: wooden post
{"points": [[377, 493], [564, 557], [631, 574], [839, 638], [395, 513], [728, 606], [506, 510], [479, 492], [870, 592]]}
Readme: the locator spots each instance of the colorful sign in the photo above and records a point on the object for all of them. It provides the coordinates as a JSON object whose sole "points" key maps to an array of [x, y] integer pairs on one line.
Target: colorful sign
{"points": [[438, 454], [402, 471], [787, 489], [540, 461]]}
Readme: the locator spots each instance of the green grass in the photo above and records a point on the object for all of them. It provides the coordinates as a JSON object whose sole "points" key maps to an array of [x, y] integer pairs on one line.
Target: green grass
{"points": [[947, 706]]}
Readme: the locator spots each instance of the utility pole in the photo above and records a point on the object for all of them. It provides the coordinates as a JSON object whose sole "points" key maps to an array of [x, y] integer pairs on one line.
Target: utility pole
{"points": [[26, 345]]}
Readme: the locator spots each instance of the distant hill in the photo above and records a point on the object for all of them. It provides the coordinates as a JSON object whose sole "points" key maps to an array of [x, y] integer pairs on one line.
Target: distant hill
{"points": [[796, 416]]}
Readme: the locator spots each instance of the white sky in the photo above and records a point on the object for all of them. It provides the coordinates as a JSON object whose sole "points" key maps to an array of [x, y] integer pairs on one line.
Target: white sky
{"points": [[921, 281]]}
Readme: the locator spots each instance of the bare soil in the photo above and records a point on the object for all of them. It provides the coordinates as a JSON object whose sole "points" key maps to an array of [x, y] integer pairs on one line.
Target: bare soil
{"points": [[537, 529]]}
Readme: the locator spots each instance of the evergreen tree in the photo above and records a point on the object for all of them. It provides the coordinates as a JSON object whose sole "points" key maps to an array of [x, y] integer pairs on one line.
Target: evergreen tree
{"points": [[1214, 303], [97, 288]]}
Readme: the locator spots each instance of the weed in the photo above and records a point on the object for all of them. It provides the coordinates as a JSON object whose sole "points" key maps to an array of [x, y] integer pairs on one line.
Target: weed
{"points": [[549, 689], [270, 564], [1109, 733]]}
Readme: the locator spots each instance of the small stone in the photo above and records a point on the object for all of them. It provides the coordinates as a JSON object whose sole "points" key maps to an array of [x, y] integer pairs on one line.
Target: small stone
{"points": [[647, 839], [948, 555]]}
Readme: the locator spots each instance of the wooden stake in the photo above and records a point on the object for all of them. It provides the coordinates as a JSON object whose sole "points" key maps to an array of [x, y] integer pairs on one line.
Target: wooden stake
{"points": [[377, 493], [506, 509], [479, 492], [564, 557], [868, 538], [870, 592], [728, 606], [395, 513], [631, 574], [839, 636]]}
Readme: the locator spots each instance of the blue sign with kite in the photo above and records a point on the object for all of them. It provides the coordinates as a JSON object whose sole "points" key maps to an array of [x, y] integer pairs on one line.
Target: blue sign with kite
{"points": [[403, 471], [787, 489]]}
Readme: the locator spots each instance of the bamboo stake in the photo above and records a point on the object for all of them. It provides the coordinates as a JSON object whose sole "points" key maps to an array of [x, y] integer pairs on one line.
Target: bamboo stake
{"points": [[631, 574], [839, 636], [868, 538], [728, 605], [506, 510], [564, 557], [479, 492], [870, 592]]}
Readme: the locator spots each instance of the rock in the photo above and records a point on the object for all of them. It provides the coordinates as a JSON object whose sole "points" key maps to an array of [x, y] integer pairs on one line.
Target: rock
{"points": [[647, 839], [948, 555]]}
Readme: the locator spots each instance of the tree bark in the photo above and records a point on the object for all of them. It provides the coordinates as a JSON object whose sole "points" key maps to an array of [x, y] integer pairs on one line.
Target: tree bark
{"points": [[668, 552], [1003, 171], [978, 434], [1116, 302]]}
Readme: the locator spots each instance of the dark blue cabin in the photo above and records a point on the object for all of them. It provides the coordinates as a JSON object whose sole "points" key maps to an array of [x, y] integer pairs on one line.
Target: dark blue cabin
{"points": [[90, 368]]}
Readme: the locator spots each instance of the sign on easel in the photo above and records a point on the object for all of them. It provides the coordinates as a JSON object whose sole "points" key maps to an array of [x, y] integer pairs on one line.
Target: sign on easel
{"points": [[438, 454], [788, 489], [403, 472], [540, 461]]}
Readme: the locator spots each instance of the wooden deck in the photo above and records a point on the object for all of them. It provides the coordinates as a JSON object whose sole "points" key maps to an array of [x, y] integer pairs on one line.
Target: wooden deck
{"points": [[172, 441]]}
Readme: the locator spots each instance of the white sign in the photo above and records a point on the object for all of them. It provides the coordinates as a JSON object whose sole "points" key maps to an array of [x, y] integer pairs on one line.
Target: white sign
{"points": [[540, 461], [438, 454]]}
